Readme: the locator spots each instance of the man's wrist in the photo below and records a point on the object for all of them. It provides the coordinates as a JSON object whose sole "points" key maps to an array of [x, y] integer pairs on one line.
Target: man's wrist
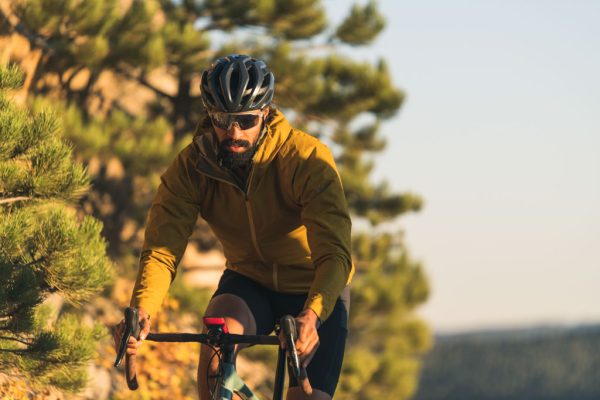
{"points": [[143, 313], [312, 316]]}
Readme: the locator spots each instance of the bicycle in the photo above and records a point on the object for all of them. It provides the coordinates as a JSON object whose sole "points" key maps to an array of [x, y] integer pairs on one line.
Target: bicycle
{"points": [[227, 382]]}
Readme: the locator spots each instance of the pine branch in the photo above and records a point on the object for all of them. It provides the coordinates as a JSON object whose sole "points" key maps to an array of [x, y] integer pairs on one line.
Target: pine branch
{"points": [[8, 315], [31, 263], [36, 41], [144, 83], [214, 26], [17, 351], [13, 312], [330, 46], [14, 199], [77, 70], [15, 339]]}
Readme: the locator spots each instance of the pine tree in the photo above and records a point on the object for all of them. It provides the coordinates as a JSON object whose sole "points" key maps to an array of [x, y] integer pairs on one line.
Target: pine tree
{"points": [[125, 155], [323, 91], [45, 248], [386, 339], [327, 94]]}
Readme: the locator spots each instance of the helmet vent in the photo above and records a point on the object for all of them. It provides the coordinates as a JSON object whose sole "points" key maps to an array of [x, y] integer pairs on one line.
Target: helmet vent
{"points": [[237, 83]]}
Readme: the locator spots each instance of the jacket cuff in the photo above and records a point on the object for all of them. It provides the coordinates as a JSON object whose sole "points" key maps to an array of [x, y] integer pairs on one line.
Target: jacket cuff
{"points": [[319, 305]]}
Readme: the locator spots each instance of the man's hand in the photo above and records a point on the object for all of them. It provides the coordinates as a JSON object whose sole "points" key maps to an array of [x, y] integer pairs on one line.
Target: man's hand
{"points": [[132, 344], [307, 323]]}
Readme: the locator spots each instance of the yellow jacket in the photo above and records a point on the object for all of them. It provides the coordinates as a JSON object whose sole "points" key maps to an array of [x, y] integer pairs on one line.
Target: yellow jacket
{"points": [[289, 230]]}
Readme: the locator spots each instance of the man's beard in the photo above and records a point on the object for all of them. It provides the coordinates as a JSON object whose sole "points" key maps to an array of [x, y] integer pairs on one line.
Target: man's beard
{"points": [[236, 160]]}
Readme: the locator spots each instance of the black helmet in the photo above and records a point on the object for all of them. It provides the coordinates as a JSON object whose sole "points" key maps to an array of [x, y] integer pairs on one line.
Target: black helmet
{"points": [[237, 83]]}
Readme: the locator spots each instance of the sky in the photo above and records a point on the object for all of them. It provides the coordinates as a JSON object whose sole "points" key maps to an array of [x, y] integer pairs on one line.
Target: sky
{"points": [[500, 134]]}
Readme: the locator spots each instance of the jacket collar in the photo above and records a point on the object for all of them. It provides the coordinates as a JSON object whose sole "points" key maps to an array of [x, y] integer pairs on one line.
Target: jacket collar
{"points": [[205, 140]]}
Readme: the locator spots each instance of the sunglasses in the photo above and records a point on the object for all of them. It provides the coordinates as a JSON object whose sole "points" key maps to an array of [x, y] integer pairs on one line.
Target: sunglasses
{"points": [[245, 121]]}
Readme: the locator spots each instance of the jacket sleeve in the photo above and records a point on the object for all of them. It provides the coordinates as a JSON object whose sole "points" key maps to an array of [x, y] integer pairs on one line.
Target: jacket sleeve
{"points": [[170, 223], [325, 215]]}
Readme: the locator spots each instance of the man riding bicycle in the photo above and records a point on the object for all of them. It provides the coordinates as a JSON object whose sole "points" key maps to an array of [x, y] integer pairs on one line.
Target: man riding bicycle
{"points": [[273, 197]]}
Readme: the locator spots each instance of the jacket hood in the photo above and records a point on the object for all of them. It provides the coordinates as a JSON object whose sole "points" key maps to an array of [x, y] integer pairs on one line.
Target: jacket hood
{"points": [[205, 141]]}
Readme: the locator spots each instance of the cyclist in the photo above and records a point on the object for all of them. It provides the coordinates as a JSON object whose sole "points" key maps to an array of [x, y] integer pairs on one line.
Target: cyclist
{"points": [[273, 197]]}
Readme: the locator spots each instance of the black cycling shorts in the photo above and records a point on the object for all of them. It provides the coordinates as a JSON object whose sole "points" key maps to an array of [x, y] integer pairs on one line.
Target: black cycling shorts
{"points": [[268, 307]]}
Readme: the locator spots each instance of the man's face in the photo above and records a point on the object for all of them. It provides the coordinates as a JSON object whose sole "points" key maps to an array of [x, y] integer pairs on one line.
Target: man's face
{"points": [[238, 132]]}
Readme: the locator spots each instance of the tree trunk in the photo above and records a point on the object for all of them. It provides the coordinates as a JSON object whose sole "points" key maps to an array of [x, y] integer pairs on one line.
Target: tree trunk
{"points": [[182, 107]]}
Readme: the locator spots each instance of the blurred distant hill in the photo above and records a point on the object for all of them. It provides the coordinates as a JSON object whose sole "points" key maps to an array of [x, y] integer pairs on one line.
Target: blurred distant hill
{"points": [[549, 362]]}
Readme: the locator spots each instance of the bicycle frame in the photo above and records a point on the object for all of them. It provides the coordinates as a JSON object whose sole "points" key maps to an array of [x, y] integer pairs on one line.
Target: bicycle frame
{"points": [[218, 336], [231, 382]]}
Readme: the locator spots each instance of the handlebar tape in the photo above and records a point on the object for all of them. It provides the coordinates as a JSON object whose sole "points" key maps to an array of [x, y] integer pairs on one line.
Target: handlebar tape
{"points": [[288, 326], [132, 328]]}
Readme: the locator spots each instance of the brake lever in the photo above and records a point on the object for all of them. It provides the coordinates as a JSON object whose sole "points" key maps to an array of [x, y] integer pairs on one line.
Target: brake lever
{"points": [[132, 327], [288, 326], [290, 333]]}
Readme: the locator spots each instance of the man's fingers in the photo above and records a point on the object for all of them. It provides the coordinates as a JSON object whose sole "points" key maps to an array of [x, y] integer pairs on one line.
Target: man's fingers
{"points": [[309, 357], [308, 339], [117, 330], [145, 328], [132, 344], [117, 333], [302, 346], [305, 348]]}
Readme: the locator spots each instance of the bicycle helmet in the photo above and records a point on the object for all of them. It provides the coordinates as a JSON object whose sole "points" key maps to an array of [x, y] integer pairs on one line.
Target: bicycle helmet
{"points": [[237, 83]]}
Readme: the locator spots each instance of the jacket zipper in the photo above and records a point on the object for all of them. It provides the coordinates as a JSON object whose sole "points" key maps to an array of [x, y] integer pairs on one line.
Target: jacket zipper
{"points": [[253, 230], [257, 248], [250, 217], [275, 280]]}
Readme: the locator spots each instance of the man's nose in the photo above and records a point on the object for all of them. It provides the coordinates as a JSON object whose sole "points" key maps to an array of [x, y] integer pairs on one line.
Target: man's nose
{"points": [[234, 131]]}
